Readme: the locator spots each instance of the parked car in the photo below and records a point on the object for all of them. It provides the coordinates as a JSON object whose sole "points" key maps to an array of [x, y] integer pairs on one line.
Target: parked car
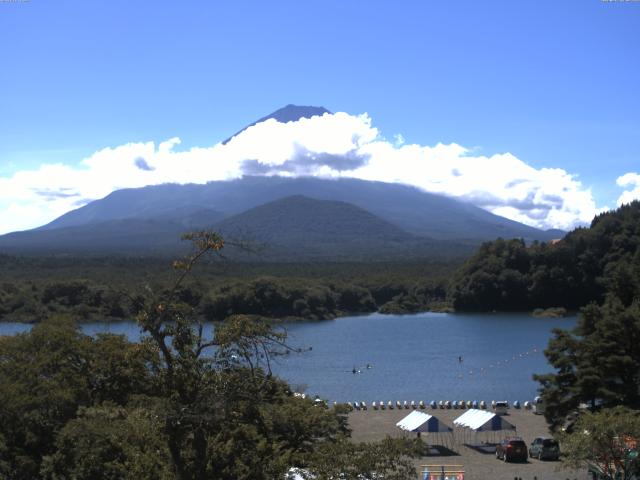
{"points": [[544, 448], [512, 450], [501, 407]]}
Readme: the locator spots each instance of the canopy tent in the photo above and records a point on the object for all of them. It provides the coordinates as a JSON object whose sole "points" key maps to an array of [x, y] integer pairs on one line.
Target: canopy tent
{"points": [[421, 422], [482, 421], [478, 421]]}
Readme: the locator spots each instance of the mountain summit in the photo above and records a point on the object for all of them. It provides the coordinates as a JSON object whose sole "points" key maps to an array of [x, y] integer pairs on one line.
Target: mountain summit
{"points": [[298, 217], [289, 113]]}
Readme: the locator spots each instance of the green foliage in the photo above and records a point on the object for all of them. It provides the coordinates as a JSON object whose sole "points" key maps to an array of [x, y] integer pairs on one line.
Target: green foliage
{"points": [[389, 459], [494, 278], [604, 441], [598, 363], [423, 296], [98, 289], [110, 443], [579, 269], [47, 374], [219, 410], [176, 405]]}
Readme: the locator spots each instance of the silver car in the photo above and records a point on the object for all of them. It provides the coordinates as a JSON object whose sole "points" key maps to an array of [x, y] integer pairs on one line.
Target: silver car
{"points": [[544, 448]]}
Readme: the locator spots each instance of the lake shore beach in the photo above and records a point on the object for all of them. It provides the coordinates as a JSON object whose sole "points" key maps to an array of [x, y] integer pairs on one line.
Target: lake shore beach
{"points": [[372, 425]]}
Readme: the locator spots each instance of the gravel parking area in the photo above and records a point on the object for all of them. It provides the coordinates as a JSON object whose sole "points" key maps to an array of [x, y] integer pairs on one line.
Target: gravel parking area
{"points": [[372, 425]]}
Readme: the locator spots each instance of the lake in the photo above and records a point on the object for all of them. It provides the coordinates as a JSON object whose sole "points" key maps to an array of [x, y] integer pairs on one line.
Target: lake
{"points": [[412, 357]]}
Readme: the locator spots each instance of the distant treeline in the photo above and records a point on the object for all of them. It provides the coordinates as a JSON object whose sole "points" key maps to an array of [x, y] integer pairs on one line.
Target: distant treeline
{"points": [[503, 275], [108, 289], [507, 275]]}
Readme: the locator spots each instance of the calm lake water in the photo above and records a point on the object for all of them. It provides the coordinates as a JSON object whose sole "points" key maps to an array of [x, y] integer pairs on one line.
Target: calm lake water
{"points": [[412, 357]]}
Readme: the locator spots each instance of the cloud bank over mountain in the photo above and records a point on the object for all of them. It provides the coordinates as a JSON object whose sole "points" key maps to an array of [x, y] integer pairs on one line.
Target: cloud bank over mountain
{"points": [[329, 146]]}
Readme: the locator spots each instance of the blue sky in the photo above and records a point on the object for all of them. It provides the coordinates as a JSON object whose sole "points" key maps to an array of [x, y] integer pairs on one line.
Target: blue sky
{"points": [[555, 83]]}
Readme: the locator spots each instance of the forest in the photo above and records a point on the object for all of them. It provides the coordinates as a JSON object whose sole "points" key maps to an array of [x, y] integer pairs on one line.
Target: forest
{"points": [[507, 275], [597, 364], [176, 405], [502, 275], [105, 288]]}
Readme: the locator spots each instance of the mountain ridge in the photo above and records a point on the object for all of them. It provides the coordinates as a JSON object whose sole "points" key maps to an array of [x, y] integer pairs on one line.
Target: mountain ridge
{"points": [[153, 213], [293, 228], [412, 209]]}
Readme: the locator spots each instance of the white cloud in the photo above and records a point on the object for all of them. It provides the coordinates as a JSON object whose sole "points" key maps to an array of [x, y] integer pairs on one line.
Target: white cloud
{"points": [[333, 145], [631, 182]]}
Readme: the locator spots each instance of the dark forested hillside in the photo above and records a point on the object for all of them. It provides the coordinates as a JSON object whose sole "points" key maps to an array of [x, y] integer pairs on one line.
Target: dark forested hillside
{"points": [[305, 229], [508, 275], [298, 219], [291, 229], [597, 364], [147, 220], [90, 288]]}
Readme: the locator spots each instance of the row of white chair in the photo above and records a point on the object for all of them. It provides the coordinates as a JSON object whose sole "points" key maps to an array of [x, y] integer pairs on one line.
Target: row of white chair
{"points": [[442, 404]]}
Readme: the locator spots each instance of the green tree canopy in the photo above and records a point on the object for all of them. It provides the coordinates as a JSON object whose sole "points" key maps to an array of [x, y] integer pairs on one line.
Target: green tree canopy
{"points": [[572, 272], [175, 405], [606, 441], [46, 375]]}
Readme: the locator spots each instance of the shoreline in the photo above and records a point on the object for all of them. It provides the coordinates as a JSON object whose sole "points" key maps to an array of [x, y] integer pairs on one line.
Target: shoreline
{"points": [[292, 319]]}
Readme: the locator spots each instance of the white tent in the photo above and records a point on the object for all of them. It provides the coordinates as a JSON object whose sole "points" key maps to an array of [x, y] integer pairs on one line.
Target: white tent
{"points": [[477, 421], [421, 422]]}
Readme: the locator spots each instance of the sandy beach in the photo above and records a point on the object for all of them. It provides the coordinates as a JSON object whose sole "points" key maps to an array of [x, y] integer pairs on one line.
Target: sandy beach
{"points": [[372, 425]]}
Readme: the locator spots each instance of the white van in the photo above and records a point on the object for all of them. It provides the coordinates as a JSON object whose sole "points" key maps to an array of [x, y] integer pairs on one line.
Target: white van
{"points": [[501, 407], [538, 406]]}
